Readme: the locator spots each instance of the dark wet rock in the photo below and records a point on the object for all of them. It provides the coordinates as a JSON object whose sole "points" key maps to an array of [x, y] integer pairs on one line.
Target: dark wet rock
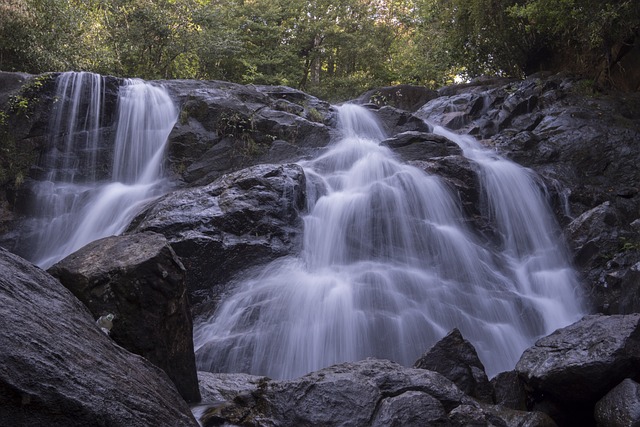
{"points": [[590, 233], [519, 418], [57, 368], [580, 363], [242, 219], [620, 407], [139, 281], [222, 387], [395, 121], [413, 145], [359, 394], [371, 392], [509, 391], [224, 127], [25, 108], [457, 359], [599, 239]]}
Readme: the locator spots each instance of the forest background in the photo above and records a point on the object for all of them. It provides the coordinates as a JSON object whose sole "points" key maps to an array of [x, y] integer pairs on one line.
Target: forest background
{"points": [[334, 49]]}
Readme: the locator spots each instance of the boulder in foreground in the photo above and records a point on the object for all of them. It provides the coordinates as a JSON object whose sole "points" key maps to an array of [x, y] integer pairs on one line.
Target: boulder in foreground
{"points": [[580, 363], [140, 281], [57, 368]]}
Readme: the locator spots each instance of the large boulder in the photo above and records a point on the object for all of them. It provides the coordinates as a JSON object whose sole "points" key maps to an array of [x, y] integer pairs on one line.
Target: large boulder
{"points": [[218, 387], [240, 220], [509, 390], [395, 121], [620, 407], [57, 368], [580, 363], [224, 127], [457, 359], [371, 392], [139, 281], [414, 145]]}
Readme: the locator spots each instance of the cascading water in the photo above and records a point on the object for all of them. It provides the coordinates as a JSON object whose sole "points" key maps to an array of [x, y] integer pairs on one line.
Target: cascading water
{"points": [[388, 268], [538, 260], [72, 206]]}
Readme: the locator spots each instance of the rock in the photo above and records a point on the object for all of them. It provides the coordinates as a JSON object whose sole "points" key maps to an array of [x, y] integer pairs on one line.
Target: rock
{"points": [[601, 245], [521, 418], [620, 407], [396, 121], [240, 220], [413, 145], [58, 369], [456, 359], [401, 410], [356, 394], [370, 392], [509, 391], [224, 127], [580, 363], [220, 387], [497, 416], [139, 281]]}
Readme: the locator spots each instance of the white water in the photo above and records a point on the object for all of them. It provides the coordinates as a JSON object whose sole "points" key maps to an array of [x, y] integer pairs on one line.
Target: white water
{"points": [[72, 207], [388, 268]]}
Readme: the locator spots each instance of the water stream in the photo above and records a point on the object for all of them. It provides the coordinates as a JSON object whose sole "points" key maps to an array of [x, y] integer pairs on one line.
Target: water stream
{"points": [[388, 267], [73, 205]]}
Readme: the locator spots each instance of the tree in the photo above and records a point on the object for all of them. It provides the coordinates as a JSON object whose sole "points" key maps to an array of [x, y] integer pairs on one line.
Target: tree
{"points": [[586, 36], [40, 35]]}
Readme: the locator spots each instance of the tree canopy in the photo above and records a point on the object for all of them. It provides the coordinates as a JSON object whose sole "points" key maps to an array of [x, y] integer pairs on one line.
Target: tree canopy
{"points": [[332, 48]]}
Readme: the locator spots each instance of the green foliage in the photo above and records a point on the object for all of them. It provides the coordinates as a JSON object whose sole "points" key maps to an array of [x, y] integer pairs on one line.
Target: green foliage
{"points": [[314, 115], [629, 245], [334, 49], [15, 158], [581, 33]]}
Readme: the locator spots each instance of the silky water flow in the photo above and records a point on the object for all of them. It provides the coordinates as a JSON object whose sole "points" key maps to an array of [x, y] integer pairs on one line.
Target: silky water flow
{"points": [[73, 206], [388, 267]]}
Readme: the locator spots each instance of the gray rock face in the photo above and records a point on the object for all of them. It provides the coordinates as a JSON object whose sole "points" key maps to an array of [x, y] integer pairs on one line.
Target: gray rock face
{"points": [[224, 127], [240, 220], [396, 121], [371, 392], [413, 145], [139, 280], [620, 407], [456, 359], [596, 235], [356, 394], [509, 391], [225, 387], [58, 369], [582, 362]]}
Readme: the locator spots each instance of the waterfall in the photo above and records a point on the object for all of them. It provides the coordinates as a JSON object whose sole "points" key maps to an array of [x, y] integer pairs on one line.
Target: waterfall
{"points": [[73, 204], [388, 267], [538, 260]]}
